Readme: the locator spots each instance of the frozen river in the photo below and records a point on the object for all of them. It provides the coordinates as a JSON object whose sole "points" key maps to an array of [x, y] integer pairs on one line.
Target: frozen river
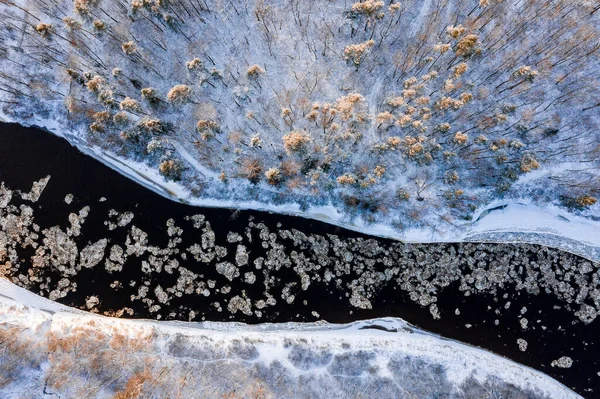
{"points": [[107, 245]]}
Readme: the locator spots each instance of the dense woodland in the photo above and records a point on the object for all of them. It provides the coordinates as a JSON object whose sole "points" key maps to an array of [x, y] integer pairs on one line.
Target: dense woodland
{"points": [[415, 113]]}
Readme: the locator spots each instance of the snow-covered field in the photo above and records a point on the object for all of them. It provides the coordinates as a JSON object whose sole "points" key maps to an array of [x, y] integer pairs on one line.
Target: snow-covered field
{"points": [[95, 356]]}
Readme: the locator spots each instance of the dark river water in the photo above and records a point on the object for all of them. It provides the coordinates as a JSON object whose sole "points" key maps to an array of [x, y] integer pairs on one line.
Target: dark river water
{"points": [[482, 319]]}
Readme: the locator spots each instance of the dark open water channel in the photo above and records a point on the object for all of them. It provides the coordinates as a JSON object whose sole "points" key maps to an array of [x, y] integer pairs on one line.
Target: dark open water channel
{"points": [[27, 155]]}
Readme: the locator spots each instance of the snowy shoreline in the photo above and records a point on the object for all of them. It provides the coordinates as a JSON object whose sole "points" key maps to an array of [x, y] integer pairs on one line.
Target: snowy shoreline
{"points": [[379, 336], [459, 360], [499, 222]]}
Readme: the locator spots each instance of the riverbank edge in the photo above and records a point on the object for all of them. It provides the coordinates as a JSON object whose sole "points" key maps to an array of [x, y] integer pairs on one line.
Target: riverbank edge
{"points": [[501, 222], [462, 361]]}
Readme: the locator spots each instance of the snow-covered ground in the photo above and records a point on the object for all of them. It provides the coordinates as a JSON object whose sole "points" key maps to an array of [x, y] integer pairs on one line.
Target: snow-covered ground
{"points": [[383, 357]]}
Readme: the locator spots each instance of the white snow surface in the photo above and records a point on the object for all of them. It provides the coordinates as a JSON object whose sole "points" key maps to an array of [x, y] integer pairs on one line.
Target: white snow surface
{"points": [[272, 342]]}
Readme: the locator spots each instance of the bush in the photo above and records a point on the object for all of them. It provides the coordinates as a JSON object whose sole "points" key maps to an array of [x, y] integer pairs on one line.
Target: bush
{"points": [[120, 118], [526, 72], [99, 25], [83, 6], [129, 104], [194, 64], [273, 176], [207, 126], [346, 180], [44, 29], [460, 138], [128, 47], [152, 125], [170, 169], [356, 52], [585, 201], [402, 194], [251, 169], [149, 94], [367, 7], [529, 163], [179, 94], [95, 83], [466, 47], [296, 141], [254, 71]]}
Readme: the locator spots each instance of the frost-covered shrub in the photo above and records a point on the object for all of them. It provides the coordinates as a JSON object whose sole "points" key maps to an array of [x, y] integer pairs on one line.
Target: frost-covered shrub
{"points": [[207, 127], [120, 118], [83, 6], [346, 180], [402, 194], [394, 7], [443, 127], [452, 195], [153, 125], [384, 119], [194, 64], [465, 98], [71, 23], [255, 141], [179, 94], [526, 72], [467, 46], [455, 31], [128, 47], [396, 102], [441, 47], [251, 169], [296, 141], [356, 52], [102, 116], [481, 139], [170, 169], [96, 83], [585, 201], [254, 71], [97, 127], [129, 104], [452, 177], [460, 69], [273, 176], [379, 171], [286, 115], [154, 146], [460, 138], [349, 104], [367, 7], [99, 25], [149, 94], [106, 97], [529, 163]]}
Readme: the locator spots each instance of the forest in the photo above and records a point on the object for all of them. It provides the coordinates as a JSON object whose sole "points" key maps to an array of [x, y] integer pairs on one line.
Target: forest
{"points": [[412, 113]]}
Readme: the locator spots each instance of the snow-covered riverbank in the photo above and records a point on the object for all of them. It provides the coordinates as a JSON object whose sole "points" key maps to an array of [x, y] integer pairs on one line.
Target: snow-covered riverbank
{"points": [[501, 221], [386, 357]]}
